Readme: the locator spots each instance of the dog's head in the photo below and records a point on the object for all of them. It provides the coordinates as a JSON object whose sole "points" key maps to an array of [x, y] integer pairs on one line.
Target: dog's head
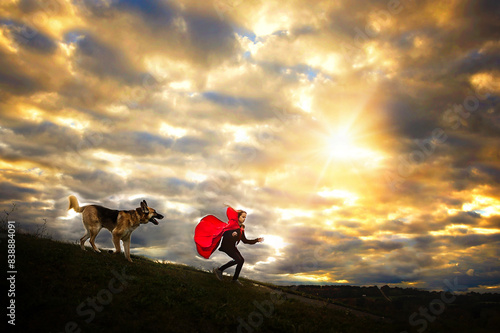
{"points": [[150, 215]]}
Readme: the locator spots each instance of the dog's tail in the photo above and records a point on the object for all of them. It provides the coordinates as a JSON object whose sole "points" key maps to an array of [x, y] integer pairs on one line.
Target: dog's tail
{"points": [[73, 203]]}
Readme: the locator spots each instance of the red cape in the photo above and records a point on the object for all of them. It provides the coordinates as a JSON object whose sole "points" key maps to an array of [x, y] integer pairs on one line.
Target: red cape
{"points": [[208, 232]]}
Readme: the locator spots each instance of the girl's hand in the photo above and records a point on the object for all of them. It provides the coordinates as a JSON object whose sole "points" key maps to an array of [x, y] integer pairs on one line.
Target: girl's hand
{"points": [[260, 239], [234, 234]]}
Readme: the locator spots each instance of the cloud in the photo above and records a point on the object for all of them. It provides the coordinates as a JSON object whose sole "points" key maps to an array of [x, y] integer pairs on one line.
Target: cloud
{"points": [[13, 192], [164, 27], [465, 218], [478, 61], [29, 37], [102, 60], [209, 34], [14, 80]]}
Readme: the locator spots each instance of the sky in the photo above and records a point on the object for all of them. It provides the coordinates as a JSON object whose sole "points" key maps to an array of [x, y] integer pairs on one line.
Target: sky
{"points": [[362, 137]]}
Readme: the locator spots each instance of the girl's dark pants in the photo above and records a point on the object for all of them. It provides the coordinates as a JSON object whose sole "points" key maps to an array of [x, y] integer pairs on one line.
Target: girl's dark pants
{"points": [[237, 260]]}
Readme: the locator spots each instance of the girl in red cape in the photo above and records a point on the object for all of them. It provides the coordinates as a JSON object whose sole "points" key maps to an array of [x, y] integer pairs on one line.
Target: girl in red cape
{"points": [[211, 230]]}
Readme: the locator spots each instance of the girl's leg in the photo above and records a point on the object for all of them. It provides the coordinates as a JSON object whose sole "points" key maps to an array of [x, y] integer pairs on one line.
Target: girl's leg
{"points": [[237, 260], [229, 264]]}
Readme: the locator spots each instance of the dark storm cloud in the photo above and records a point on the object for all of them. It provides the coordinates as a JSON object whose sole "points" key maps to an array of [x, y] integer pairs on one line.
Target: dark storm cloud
{"points": [[9, 192], [408, 119], [155, 13], [468, 149], [171, 187], [158, 14], [143, 144], [409, 256], [178, 183], [406, 266], [357, 244], [201, 36], [87, 97], [349, 224], [491, 173], [304, 30], [210, 34], [304, 261], [468, 218], [383, 246], [103, 60], [29, 38], [468, 271], [379, 276], [419, 226], [478, 24], [148, 143], [28, 6], [468, 172], [35, 140], [348, 245], [477, 61], [27, 177], [353, 16], [427, 242], [94, 184], [191, 145], [14, 79], [493, 221], [472, 240], [304, 236], [47, 130], [239, 107], [430, 243], [231, 101], [30, 215], [482, 21]]}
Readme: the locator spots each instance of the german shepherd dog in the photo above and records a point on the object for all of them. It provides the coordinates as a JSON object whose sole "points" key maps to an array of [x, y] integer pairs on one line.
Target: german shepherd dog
{"points": [[120, 223]]}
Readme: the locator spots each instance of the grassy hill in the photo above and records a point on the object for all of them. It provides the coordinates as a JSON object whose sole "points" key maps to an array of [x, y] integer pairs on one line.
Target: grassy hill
{"points": [[60, 288]]}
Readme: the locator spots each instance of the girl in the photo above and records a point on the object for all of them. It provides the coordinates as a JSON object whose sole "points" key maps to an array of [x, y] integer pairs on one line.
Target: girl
{"points": [[211, 230]]}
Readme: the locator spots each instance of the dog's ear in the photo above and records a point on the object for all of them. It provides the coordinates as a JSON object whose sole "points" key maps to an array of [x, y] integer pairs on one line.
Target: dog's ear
{"points": [[144, 207]]}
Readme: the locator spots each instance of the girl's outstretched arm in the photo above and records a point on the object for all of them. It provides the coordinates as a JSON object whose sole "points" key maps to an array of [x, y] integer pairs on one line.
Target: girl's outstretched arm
{"points": [[251, 241]]}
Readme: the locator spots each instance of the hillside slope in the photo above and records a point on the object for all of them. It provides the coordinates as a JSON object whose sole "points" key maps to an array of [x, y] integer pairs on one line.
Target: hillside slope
{"points": [[60, 288]]}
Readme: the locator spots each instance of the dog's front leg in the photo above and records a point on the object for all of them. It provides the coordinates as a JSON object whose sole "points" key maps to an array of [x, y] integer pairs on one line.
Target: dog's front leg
{"points": [[126, 246], [116, 241]]}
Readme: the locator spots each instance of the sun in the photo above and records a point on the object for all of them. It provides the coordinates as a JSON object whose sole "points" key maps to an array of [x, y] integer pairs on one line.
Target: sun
{"points": [[346, 148], [276, 242], [342, 145]]}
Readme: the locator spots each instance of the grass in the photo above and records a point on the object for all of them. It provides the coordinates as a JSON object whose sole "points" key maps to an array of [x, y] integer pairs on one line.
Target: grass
{"points": [[60, 288]]}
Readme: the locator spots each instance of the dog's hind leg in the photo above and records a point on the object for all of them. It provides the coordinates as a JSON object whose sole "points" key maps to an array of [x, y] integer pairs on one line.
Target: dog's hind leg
{"points": [[93, 235], [84, 238], [90, 219]]}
